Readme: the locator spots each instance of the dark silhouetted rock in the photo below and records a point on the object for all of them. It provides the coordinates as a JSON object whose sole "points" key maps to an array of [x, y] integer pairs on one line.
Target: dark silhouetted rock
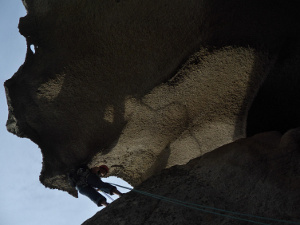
{"points": [[259, 176], [146, 85]]}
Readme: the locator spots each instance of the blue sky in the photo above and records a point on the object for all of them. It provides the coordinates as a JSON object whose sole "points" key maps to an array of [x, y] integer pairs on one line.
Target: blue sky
{"points": [[23, 199]]}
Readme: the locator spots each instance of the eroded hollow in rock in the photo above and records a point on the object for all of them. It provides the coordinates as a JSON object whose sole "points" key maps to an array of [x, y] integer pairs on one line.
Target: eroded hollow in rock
{"points": [[142, 86]]}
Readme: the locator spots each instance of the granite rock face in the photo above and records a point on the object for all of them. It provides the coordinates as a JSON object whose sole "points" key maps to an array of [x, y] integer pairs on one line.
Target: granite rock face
{"points": [[259, 176], [145, 85]]}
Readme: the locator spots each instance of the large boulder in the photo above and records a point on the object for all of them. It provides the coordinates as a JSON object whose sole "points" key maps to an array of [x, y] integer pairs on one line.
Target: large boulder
{"points": [[145, 85], [258, 176]]}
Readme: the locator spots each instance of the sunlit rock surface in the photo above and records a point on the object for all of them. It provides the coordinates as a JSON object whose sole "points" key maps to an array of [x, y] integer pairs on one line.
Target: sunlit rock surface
{"points": [[259, 176], [145, 85]]}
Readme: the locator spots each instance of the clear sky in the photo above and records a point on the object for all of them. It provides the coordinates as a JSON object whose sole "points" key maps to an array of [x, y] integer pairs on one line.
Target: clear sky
{"points": [[23, 199]]}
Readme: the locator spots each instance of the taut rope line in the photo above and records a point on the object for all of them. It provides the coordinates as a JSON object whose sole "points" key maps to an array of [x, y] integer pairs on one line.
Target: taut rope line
{"points": [[200, 208]]}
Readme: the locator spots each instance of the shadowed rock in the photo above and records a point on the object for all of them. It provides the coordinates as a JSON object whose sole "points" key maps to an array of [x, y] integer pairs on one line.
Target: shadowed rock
{"points": [[259, 176], [145, 85]]}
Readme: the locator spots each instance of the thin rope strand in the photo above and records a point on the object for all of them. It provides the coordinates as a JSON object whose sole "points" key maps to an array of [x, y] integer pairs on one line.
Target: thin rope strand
{"points": [[203, 210], [195, 206]]}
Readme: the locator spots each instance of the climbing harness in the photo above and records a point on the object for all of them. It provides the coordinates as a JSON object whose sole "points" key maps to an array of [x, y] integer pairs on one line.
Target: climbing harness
{"points": [[204, 208]]}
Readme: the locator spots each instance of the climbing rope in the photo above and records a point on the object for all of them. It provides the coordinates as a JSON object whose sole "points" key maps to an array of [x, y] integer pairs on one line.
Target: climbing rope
{"points": [[103, 193], [204, 208]]}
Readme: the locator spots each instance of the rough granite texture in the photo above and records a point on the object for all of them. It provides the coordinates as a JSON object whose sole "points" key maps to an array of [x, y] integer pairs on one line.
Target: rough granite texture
{"points": [[259, 175], [143, 85]]}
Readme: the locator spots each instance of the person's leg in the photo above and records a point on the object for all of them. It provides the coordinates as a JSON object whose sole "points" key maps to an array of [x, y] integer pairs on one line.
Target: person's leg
{"points": [[94, 181], [92, 194]]}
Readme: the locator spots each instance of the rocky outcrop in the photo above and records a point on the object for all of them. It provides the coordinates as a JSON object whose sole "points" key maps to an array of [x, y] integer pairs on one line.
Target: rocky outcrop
{"points": [[145, 85], [259, 176]]}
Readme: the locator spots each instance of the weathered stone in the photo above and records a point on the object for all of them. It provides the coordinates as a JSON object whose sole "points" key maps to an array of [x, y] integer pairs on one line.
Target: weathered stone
{"points": [[259, 176], [145, 85]]}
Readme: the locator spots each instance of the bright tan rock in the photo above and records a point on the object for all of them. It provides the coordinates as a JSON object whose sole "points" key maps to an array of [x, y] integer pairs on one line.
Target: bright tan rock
{"points": [[144, 85], [259, 176]]}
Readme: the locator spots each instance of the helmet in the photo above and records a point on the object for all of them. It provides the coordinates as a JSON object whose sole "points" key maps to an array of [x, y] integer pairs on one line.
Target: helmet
{"points": [[104, 167]]}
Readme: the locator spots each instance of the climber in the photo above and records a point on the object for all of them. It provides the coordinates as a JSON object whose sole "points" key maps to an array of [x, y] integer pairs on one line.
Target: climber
{"points": [[88, 182]]}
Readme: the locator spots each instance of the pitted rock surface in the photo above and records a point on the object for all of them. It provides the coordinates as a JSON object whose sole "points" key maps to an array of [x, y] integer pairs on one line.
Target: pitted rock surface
{"points": [[145, 85], [259, 176]]}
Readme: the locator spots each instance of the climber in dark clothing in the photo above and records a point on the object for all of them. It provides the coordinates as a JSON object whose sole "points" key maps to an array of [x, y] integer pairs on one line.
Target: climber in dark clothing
{"points": [[87, 182]]}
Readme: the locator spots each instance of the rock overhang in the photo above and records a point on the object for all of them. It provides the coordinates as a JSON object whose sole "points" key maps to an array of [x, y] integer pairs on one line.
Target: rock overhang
{"points": [[96, 80]]}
